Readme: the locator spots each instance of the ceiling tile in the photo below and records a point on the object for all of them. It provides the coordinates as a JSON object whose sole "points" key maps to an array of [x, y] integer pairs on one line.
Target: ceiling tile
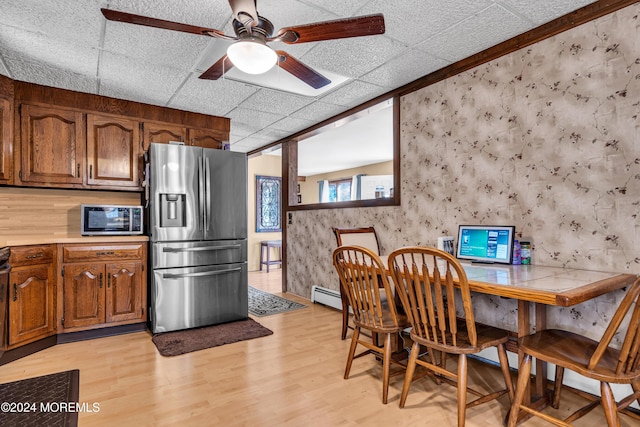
{"points": [[142, 81], [405, 69], [271, 134], [68, 20], [493, 25], [252, 119], [354, 93], [411, 21], [292, 125], [216, 97], [50, 75], [21, 45], [341, 8], [249, 143], [318, 111], [363, 54], [154, 45], [542, 11], [270, 100], [204, 13]]}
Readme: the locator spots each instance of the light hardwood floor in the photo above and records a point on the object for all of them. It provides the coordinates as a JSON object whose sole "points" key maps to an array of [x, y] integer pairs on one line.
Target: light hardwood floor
{"points": [[291, 378]]}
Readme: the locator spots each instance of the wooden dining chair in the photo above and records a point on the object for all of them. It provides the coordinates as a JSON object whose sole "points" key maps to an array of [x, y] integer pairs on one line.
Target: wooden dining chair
{"points": [[365, 284], [365, 237], [426, 280], [592, 359]]}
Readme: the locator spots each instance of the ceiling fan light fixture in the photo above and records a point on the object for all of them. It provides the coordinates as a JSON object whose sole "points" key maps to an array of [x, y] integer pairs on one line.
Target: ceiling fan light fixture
{"points": [[252, 56]]}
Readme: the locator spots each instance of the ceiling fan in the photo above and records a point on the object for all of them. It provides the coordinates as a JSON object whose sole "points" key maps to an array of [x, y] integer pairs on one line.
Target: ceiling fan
{"points": [[250, 53]]}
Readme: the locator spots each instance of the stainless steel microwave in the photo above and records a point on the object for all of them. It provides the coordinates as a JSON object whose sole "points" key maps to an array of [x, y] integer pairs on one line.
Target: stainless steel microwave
{"points": [[110, 220]]}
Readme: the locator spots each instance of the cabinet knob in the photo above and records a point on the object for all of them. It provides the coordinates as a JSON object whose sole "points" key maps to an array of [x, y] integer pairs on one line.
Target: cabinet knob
{"points": [[108, 280], [15, 292], [100, 280]]}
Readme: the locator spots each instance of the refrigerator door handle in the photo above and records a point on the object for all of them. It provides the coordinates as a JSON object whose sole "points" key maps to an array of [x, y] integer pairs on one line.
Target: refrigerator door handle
{"points": [[201, 274], [202, 248], [201, 190], [207, 182]]}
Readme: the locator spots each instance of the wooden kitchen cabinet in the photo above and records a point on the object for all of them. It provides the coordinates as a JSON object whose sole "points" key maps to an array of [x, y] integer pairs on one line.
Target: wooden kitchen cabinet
{"points": [[6, 140], [52, 145], [165, 132], [103, 285], [162, 133], [207, 138], [83, 292], [124, 288], [113, 151], [51, 137], [32, 290]]}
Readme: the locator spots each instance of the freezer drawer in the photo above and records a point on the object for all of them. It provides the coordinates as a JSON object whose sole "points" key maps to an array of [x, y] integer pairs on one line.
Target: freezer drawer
{"points": [[183, 298], [191, 254]]}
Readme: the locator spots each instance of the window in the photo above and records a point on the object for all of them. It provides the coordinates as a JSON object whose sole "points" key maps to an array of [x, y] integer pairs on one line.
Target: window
{"points": [[340, 190], [268, 202]]}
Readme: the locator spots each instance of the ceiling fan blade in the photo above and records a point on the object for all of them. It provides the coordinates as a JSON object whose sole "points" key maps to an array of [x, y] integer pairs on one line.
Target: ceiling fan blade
{"points": [[301, 71], [328, 30], [115, 15], [217, 70]]}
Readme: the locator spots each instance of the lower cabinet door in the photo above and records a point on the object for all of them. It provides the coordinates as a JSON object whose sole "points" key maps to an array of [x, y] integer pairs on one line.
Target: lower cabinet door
{"points": [[124, 292], [31, 306], [84, 295]]}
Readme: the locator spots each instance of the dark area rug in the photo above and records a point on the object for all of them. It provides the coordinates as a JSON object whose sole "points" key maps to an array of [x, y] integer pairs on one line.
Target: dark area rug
{"points": [[263, 303], [41, 401], [181, 342]]}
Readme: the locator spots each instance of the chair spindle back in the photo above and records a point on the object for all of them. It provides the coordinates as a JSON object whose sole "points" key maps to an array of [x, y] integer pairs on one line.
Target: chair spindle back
{"points": [[363, 279], [424, 279]]}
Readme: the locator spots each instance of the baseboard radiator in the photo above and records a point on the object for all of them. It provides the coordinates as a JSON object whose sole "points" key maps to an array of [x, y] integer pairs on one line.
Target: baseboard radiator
{"points": [[327, 297]]}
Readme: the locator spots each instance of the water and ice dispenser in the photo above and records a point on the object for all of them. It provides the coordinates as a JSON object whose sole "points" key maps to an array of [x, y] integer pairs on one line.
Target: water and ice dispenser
{"points": [[172, 210]]}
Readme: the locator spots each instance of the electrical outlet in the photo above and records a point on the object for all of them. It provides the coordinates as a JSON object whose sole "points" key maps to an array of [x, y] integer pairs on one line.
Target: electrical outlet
{"points": [[445, 243]]}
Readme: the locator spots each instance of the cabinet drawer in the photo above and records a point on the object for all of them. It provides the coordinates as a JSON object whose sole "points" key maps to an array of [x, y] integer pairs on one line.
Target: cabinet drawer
{"points": [[31, 255], [81, 253]]}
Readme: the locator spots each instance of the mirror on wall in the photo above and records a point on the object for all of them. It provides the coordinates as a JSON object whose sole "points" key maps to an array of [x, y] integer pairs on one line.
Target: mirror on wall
{"points": [[349, 162]]}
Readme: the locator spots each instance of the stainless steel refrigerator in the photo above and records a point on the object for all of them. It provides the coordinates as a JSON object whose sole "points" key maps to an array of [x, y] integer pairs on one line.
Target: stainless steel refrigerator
{"points": [[198, 237]]}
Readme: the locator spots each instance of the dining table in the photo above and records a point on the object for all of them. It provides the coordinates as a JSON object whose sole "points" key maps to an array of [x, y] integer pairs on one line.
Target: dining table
{"points": [[536, 287]]}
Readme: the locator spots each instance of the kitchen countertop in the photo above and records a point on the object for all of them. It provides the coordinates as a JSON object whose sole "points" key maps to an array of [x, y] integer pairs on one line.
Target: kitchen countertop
{"points": [[67, 238]]}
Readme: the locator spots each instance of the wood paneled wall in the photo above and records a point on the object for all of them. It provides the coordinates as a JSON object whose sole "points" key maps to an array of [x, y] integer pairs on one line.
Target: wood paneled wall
{"points": [[48, 212]]}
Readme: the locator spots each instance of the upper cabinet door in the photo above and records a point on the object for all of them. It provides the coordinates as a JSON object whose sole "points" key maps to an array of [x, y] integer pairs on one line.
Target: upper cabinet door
{"points": [[6, 141], [53, 145], [162, 133], [113, 151], [207, 138]]}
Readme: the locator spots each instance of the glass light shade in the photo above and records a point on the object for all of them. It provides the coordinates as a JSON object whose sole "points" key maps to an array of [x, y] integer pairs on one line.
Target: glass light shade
{"points": [[252, 56]]}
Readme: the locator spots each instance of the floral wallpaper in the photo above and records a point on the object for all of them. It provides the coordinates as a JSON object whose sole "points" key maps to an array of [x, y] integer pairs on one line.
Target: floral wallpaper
{"points": [[545, 138]]}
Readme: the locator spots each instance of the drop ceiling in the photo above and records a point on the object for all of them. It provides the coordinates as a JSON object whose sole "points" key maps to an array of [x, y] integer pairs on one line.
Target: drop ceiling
{"points": [[68, 44]]}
